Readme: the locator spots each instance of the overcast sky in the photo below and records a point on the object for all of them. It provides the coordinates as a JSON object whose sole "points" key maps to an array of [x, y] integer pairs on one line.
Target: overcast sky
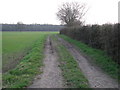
{"points": [[44, 11]]}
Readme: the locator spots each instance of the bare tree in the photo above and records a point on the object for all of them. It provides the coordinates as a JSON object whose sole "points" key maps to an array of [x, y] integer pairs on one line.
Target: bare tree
{"points": [[71, 14]]}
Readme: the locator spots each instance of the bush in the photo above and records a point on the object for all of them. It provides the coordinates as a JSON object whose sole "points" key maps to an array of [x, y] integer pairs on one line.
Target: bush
{"points": [[105, 37]]}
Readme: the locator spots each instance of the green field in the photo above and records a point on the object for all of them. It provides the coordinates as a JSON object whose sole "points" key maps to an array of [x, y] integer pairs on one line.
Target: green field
{"points": [[21, 71], [17, 44]]}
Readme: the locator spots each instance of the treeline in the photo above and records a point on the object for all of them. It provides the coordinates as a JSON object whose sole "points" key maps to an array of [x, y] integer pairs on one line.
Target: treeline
{"points": [[105, 37], [31, 27]]}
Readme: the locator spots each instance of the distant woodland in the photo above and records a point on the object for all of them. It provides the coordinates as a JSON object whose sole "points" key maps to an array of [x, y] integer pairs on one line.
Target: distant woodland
{"points": [[31, 27]]}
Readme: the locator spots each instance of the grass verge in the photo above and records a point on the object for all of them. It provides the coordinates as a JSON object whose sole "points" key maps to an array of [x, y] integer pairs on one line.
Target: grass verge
{"points": [[98, 56], [74, 78], [25, 71]]}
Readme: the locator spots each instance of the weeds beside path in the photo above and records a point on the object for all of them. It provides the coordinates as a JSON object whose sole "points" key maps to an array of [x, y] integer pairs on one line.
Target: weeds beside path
{"points": [[73, 76]]}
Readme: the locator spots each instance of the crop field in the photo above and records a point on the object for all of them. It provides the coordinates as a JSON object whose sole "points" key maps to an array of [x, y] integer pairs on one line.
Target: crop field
{"points": [[17, 44]]}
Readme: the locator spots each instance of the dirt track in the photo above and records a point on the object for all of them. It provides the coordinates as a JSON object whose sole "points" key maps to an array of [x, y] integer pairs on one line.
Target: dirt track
{"points": [[51, 77], [96, 77]]}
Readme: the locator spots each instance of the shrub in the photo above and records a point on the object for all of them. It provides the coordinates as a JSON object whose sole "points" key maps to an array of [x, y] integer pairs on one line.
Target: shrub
{"points": [[105, 37]]}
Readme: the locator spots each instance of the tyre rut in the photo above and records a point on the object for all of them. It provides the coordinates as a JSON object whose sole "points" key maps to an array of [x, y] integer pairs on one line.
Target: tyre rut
{"points": [[96, 77], [51, 77]]}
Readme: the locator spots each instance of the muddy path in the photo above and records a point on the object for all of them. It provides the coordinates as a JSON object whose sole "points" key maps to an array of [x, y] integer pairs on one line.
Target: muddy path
{"points": [[51, 77], [96, 77]]}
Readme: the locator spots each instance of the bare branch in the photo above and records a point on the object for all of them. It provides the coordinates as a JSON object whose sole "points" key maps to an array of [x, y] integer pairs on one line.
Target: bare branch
{"points": [[71, 13]]}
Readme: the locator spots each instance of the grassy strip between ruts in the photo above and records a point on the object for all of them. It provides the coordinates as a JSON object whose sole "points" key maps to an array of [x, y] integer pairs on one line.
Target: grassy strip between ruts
{"points": [[99, 57], [74, 78], [25, 71]]}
